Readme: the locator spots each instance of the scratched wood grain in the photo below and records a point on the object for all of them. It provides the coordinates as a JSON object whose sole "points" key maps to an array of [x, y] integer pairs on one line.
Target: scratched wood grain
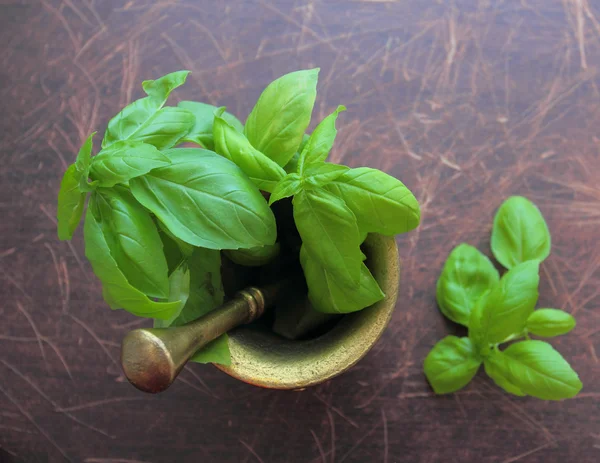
{"points": [[466, 101]]}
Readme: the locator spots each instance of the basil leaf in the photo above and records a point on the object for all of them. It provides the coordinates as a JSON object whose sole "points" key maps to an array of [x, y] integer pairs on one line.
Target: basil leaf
{"points": [[288, 186], [467, 274], [233, 145], [124, 160], [84, 157], [139, 120], [519, 233], [133, 240], [550, 322], [160, 88], [179, 290], [381, 203], [254, 257], [303, 143], [320, 142], [166, 128], [507, 306], [451, 364], [319, 174], [292, 165], [216, 351], [117, 291], [185, 249], [171, 250], [496, 369], [83, 162], [328, 295], [277, 123], [204, 287], [202, 131], [71, 196], [328, 230], [206, 200], [70, 203], [540, 371]]}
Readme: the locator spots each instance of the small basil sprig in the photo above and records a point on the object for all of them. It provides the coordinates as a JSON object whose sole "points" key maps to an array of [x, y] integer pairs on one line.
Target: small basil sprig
{"points": [[498, 311], [334, 209]]}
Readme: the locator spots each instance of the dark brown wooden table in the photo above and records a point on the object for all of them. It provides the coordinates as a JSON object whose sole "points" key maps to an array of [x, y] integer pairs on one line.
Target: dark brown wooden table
{"points": [[467, 102]]}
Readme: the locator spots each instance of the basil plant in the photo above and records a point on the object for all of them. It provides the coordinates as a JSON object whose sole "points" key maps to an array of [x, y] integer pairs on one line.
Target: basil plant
{"points": [[159, 214]]}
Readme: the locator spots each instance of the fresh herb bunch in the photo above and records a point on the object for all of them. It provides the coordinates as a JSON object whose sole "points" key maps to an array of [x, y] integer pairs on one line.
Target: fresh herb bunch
{"points": [[500, 310], [158, 216]]}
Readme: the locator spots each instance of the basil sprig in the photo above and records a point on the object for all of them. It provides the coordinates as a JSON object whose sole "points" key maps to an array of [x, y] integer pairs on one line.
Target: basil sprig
{"points": [[502, 310]]}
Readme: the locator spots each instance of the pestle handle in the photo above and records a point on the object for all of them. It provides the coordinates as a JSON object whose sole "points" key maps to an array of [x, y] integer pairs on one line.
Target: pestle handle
{"points": [[153, 357]]}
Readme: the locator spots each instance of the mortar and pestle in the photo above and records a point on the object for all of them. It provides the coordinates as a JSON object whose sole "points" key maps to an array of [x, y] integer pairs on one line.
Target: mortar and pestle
{"points": [[153, 357]]}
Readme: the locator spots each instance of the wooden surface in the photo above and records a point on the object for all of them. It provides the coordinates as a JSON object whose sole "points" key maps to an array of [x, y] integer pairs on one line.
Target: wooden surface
{"points": [[467, 102]]}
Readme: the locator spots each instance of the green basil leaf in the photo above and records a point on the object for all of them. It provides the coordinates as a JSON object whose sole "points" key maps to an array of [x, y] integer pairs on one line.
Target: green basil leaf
{"points": [[124, 160], [70, 203], [276, 125], [117, 291], [83, 162], [206, 200], [467, 274], [319, 174], [507, 306], [451, 364], [202, 131], [478, 324], [550, 322], [496, 369], [71, 196], [328, 295], [133, 240], [540, 371], [381, 203], [320, 142], [205, 290], [204, 287], [166, 128], [519, 233], [233, 145], [254, 257], [288, 186], [139, 120], [328, 230], [185, 249], [292, 165], [179, 290], [216, 351], [160, 88], [171, 250]]}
